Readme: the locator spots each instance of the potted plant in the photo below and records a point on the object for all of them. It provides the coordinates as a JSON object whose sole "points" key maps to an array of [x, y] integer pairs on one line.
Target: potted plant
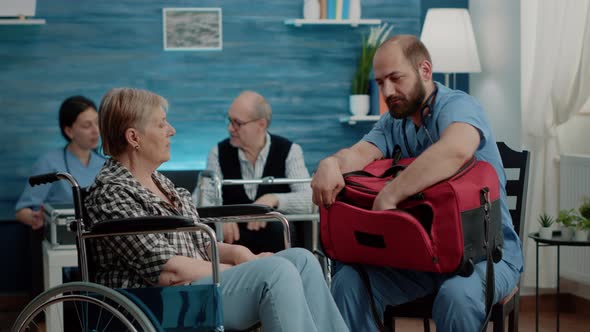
{"points": [[582, 230], [359, 100], [567, 220], [583, 225], [585, 207], [545, 221]]}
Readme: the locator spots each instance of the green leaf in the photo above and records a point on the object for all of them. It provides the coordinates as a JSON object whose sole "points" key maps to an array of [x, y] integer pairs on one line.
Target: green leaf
{"points": [[545, 220], [585, 207], [360, 82]]}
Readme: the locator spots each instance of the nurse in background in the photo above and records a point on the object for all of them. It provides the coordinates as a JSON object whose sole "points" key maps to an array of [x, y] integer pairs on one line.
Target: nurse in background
{"points": [[78, 121]]}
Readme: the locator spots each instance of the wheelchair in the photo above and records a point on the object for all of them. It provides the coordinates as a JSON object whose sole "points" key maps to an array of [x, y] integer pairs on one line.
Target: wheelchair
{"points": [[95, 307]]}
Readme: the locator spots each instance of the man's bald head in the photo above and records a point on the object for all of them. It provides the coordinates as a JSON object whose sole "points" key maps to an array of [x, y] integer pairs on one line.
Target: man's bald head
{"points": [[411, 47], [403, 72], [255, 104]]}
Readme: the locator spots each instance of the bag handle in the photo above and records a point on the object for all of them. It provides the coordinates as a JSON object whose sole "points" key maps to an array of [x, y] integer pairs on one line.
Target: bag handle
{"points": [[393, 170]]}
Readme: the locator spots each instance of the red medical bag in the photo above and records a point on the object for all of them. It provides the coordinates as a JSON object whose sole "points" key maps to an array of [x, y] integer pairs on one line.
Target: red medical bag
{"points": [[441, 229]]}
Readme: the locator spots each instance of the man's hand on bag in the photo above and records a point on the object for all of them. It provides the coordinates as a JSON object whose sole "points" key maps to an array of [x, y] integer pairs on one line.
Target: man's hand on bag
{"points": [[231, 232], [327, 182], [385, 200]]}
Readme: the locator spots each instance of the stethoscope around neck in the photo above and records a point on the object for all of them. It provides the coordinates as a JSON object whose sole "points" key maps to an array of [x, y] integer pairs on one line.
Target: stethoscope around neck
{"points": [[65, 152], [427, 105]]}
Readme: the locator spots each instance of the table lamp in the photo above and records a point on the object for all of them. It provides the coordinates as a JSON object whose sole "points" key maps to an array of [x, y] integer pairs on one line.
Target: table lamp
{"points": [[448, 36]]}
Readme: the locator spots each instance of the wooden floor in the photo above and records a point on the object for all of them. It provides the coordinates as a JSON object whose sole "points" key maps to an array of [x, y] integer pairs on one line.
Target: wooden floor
{"points": [[569, 322]]}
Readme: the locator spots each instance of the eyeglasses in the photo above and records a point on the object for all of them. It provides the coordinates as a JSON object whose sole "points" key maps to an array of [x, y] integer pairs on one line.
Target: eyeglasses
{"points": [[236, 123]]}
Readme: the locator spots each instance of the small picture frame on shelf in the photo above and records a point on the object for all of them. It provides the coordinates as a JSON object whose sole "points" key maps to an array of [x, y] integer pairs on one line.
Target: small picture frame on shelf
{"points": [[192, 29]]}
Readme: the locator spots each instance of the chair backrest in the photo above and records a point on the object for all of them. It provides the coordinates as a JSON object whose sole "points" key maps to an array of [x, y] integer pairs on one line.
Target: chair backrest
{"points": [[186, 179], [516, 188]]}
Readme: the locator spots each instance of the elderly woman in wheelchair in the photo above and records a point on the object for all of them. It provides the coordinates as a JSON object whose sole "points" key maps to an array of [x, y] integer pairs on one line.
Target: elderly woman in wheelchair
{"points": [[284, 291]]}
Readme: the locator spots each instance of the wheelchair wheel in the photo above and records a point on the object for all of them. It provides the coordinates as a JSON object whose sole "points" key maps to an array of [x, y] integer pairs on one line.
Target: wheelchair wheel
{"points": [[89, 307]]}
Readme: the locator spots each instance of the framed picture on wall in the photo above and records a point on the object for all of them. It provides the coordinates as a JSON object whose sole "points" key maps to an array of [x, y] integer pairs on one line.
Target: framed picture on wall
{"points": [[192, 29]]}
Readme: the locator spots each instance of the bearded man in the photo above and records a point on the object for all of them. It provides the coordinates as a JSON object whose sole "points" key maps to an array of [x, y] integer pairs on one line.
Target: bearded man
{"points": [[443, 129]]}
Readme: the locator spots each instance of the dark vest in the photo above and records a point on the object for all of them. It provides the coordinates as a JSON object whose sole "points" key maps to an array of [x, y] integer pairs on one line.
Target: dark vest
{"points": [[275, 166]]}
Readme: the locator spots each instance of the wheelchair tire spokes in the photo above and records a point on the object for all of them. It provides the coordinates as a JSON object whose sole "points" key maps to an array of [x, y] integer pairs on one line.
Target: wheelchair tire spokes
{"points": [[93, 308]]}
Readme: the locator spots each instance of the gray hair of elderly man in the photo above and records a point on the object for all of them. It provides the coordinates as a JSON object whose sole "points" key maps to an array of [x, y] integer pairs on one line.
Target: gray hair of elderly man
{"points": [[260, 107]]}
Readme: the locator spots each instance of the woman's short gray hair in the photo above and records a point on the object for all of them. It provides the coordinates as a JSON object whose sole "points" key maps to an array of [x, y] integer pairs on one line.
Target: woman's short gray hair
{"points": [[124, 108]]}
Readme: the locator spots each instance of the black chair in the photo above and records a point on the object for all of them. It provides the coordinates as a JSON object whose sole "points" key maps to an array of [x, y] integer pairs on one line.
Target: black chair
{"points": [[508, 306], [186, 178]]}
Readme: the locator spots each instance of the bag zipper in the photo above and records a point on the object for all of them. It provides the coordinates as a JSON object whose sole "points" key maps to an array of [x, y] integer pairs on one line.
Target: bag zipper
{"points": [[418, 196], [469, 165], [361, 187]]}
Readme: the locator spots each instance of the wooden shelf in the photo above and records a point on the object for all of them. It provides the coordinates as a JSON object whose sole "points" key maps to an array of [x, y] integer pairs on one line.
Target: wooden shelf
{"points": [[354, 23], [353, 119], [22, 21]]}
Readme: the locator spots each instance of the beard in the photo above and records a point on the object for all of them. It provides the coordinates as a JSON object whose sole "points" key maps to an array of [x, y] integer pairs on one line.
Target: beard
{"points": [[401, 107]]}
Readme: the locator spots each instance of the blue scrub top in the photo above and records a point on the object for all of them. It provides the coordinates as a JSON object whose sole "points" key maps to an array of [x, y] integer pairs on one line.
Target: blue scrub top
{"points": [[59, 191], [450, 106]]}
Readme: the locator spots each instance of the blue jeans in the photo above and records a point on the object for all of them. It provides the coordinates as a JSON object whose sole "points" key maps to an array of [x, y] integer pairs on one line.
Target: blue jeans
{"points": [[459, 305], [286, 292]]}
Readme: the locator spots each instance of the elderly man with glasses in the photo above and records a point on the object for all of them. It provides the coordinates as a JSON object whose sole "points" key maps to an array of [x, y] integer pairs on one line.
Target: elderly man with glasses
{"points": [[251, 152]]}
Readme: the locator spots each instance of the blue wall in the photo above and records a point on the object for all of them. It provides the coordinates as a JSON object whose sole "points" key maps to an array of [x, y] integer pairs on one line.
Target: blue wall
{"points": [[87, 47]]}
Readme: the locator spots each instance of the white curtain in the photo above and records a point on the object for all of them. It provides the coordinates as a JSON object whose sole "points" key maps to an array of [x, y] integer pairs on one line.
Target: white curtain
{"points": [[556, 85]]}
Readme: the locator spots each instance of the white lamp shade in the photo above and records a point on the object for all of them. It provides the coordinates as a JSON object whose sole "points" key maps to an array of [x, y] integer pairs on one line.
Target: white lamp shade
{"points": [[448, 36]]}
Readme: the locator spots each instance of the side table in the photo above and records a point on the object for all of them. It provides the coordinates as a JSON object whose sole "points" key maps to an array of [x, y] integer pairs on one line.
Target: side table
{"points": [[54, 260], [558, 241]]}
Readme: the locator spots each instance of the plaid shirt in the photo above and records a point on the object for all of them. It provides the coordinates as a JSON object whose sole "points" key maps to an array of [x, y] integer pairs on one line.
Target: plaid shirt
{"points": [[137, 260]]}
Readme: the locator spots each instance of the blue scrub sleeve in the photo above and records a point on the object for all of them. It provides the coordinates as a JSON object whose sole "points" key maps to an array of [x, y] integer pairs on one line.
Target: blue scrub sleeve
{"points": [[378, 135], [34, 197], [465, 110]]}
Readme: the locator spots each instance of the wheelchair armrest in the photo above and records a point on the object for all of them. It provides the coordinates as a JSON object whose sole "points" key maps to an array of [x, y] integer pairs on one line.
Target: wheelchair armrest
{"points": [[144, 224], [234, 210], [149, 224]]}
